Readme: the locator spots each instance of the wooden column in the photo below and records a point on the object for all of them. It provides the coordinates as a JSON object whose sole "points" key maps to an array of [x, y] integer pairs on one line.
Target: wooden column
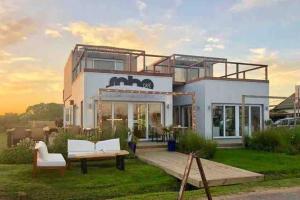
{"points": [[266, 73], [237, 71], [226, 70]]}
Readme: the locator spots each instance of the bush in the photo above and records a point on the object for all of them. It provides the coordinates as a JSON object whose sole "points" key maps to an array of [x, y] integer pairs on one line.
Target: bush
{"points": [[281, 139], [19, 154], [193, 142]]}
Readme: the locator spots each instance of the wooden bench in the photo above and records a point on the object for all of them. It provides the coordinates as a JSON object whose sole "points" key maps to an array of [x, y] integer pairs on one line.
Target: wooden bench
{"points": [[84, 157], [83, 151]]}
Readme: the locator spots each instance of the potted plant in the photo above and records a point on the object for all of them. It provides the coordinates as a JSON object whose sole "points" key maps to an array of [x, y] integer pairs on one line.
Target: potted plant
{"points": [[171, 138]]}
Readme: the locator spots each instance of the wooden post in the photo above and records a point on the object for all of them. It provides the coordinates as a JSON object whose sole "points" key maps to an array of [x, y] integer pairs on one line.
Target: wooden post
{"points": [[237, 71], [205, 183], [185, 176], [243, 119], [226, 69], [266, 73]]}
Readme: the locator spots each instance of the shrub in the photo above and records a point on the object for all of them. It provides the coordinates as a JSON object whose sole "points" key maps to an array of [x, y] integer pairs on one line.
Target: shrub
{"points": [[193, 142], [19, 154], [281, 139]]}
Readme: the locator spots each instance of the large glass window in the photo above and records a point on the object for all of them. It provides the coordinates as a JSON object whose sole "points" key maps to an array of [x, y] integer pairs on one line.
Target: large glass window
{"points": [[139, 120], [255, 118], [180, 74], [176, 115], [228, 127], [218, 121], [193, 73], [154, 112]]}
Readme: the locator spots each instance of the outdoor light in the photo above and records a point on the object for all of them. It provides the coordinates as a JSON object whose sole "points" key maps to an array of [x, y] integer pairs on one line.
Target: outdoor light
{"points": [[208, 107], [168, 106], [267, 108]]}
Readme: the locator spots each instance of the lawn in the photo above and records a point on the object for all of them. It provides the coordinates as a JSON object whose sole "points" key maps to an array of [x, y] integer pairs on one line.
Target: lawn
{"points": [[142, 181], [273, 165], [102, 182]]}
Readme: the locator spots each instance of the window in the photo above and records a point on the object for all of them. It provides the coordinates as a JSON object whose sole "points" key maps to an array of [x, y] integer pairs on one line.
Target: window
{"points": [[106, 64], [227, 120], [218, 121]]}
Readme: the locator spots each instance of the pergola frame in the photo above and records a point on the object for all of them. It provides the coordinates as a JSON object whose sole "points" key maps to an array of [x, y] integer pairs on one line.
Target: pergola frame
{"points": [[192, 94]]}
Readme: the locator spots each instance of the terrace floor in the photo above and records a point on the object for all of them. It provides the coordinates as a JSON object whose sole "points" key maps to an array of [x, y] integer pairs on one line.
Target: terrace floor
{"points": [[217, 174]]}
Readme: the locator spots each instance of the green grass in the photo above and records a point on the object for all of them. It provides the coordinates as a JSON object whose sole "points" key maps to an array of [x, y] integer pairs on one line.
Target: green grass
{"points": [[101, 182], [142, 181], [273, 165]]}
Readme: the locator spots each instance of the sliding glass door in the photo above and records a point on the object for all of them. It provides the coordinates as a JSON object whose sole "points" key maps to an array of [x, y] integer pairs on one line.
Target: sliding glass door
{"points": [[140, 117]]}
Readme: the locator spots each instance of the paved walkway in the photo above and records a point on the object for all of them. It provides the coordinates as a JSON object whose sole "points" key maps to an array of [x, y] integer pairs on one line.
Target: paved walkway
{"points": [[272, 194], [174, 164]]}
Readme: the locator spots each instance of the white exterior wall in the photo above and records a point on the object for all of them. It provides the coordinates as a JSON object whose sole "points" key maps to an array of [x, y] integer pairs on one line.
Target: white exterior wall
{"points": [[209, 92], [77, 96], [93, 81]]}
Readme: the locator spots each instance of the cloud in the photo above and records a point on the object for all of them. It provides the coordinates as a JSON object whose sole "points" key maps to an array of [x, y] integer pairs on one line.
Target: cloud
{"points": [[53, 33], [13, 31], [283, 73], [243, 5], [169, 13], [213, 43], [7, 58], [141, 5]]}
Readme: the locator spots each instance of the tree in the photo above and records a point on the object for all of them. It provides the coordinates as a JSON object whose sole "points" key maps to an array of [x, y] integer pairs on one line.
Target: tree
{"points": [[43, 112]]}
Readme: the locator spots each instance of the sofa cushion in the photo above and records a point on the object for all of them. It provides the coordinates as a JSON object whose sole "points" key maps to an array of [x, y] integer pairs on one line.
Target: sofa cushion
{"points": [[80, 146], [108, 145], [74, 154], [53, 160]]}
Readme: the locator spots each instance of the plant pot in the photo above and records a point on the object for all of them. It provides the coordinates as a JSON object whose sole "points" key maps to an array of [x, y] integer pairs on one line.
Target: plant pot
{"points": [[132, 146], [172, 145]]}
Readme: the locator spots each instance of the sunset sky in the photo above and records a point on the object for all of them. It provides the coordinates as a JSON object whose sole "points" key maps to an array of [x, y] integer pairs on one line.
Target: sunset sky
{"points": [[36, 37]]}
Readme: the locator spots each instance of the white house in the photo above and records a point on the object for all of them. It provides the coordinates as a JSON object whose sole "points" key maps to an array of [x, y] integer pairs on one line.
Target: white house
{"points": [[108, 86]]}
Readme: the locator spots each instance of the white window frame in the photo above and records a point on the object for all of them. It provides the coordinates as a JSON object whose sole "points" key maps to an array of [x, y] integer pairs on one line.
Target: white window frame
{"points": [[237, 119], [111, 60]]}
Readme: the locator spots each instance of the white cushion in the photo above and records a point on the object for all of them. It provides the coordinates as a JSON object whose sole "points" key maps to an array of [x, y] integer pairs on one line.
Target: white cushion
{"points": [[53, 160], [80, 146], [108, 145], [42, 150]]}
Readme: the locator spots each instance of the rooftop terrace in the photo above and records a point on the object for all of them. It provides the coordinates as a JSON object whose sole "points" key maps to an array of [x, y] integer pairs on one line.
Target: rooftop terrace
{"points": [[183, 68]]}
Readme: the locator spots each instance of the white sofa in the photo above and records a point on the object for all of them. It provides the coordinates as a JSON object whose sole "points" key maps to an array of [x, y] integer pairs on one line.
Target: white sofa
{"points": [[76, 147], [45, 160]]}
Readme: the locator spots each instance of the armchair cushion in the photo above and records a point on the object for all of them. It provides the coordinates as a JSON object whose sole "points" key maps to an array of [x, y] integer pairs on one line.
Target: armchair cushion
{"points": [[52, 160]]}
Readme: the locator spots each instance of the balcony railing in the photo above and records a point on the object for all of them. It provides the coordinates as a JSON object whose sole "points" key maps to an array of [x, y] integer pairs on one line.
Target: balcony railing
{"points": [[183, 68]]}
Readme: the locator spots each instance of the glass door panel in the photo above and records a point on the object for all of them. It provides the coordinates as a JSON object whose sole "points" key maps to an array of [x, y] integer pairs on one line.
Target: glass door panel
{"points": [[120, 115], [139, 120], [106, 115], [230, 120], [247, 129], [255, 119], [218, 121]]}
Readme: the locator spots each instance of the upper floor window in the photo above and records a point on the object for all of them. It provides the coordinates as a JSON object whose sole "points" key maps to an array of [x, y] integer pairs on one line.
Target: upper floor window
{"points": [[107, 64]]}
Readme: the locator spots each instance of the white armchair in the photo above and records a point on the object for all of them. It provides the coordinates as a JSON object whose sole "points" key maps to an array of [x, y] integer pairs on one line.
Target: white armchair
{"points": [[45, 160]]}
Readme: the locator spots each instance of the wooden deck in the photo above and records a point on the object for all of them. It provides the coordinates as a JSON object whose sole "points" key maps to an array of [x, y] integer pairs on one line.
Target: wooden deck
{"points": [[174, 163]]}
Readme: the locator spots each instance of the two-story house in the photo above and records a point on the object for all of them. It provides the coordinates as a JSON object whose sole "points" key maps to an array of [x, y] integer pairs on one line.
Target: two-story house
{"points": [[108, 86]]}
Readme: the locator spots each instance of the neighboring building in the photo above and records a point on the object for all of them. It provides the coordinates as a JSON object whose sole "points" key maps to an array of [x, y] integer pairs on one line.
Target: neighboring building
{"points": [[108, 86], [284, 109]]}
